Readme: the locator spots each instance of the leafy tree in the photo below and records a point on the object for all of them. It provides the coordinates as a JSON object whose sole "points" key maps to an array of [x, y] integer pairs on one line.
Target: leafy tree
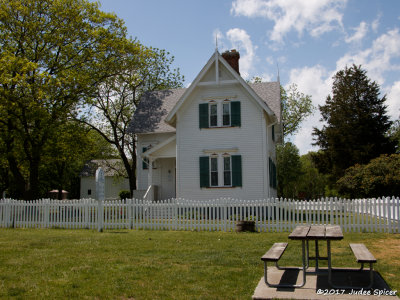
{"points": [[311, 183], [295, 108], [115, 101], [356, 124], [394, 134], [53, 55], [380, 177], [65, 155], [289, 169]]}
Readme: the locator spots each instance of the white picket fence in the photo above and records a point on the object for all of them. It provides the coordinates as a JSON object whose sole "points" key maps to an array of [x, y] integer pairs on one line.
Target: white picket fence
{"points": [[269, 215]]}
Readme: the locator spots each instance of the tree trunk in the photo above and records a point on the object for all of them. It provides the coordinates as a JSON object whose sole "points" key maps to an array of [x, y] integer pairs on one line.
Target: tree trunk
{"points": [[33, 189], [18, 177]]}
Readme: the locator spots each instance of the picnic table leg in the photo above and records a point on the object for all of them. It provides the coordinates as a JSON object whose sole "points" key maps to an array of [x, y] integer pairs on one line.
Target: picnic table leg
{"points": [[316, 255], [303, 246], [371, 273]]}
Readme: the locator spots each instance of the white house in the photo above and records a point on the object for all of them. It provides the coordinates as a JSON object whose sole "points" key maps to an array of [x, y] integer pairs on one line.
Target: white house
{"points": [[115, 181], [214, 139]]}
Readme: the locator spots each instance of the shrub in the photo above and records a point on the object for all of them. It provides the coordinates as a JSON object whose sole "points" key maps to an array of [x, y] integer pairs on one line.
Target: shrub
{"points": [[124, 194], [380, 177]]}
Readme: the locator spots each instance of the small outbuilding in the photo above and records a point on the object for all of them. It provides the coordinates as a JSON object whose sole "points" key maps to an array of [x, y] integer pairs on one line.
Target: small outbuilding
{"points": [[114, 175]]}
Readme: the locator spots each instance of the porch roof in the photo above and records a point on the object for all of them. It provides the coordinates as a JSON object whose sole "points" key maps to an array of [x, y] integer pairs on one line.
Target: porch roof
{"points": [[165, 149]]}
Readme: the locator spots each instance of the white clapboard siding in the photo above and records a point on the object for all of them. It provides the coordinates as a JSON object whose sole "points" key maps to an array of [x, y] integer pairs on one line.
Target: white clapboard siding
{"points": [[269, 215]]}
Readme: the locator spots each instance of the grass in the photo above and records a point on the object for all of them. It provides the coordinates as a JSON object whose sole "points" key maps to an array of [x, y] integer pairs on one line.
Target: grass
{"points": [[138, 264]]}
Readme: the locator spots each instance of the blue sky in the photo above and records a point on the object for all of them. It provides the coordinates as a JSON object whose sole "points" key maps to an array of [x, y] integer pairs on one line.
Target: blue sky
{"points": [[310, 40]]}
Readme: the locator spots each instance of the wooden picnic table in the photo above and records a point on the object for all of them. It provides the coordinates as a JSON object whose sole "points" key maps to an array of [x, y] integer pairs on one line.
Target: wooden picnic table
{"points": [[317, 233]]}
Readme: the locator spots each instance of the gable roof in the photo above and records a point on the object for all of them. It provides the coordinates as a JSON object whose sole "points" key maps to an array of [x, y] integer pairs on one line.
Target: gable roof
{"points": [[155, 106], [157, 109], [152, 110]]}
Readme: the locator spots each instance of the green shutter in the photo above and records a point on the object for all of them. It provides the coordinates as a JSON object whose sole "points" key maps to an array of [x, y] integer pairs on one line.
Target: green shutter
{"points": [[235, 113], [270, 172], [203, 115], [236, 170], [145, 164], [204, 171], [273, 132]]}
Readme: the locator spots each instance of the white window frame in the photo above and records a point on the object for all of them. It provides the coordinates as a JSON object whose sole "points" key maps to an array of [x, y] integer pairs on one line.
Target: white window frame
{"points": [[146, 159], [228, 103], [211, 170], [230, 169], [209, 114], [220, 113], [220, 169]]}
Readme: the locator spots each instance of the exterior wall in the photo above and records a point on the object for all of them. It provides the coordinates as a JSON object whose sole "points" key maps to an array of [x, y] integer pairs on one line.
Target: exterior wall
{"points": [[112, 187], [270, 153], [251, 140], [144, 140]]}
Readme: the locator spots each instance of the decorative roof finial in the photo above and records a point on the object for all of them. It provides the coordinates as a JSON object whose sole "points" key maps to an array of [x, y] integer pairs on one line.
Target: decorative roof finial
{"points": [[278, 79]]}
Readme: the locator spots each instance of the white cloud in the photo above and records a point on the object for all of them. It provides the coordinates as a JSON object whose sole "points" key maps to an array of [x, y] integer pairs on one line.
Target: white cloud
{"points": [[313, 16], [317, 82], [393, 101], [269, 60], [241, 41], [375, 23], [359, 34], [377, 59]]}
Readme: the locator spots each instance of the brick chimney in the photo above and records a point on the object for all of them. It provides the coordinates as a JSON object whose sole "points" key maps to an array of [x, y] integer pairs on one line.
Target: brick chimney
{"points": [[232, 57]]}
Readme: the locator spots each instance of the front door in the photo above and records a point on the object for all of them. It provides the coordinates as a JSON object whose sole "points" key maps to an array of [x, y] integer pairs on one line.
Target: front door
{"points": [[167, 178]]}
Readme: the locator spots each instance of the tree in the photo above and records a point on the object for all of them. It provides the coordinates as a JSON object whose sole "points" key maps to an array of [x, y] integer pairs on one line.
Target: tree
{"points": [[394, 134], [295, 108], [53, 55], [289, 169], [356, 124], [311, 183], [65, 155], [380, 177], [115, 101]]}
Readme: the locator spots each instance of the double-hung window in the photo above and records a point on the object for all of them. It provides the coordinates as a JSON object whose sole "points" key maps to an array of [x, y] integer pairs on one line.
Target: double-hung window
{"points": [[214, 171], [219, 114], [213, 114], [226, 114], [221, 170], [145, 160], [227, 171]]}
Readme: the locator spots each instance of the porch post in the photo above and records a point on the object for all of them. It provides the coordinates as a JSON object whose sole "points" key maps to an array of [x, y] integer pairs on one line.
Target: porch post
{"points": [[150, 174]]}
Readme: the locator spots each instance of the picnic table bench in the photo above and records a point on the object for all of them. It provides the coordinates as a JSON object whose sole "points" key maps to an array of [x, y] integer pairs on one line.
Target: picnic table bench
{"points": [[317, 233]]}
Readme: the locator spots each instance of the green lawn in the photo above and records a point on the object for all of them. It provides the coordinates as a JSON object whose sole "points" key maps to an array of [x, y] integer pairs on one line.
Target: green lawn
{"points": [[56, 263]]}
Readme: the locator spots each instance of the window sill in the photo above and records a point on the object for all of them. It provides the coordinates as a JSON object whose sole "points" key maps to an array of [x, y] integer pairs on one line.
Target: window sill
{"points": [[220, 187], [218, 127]]}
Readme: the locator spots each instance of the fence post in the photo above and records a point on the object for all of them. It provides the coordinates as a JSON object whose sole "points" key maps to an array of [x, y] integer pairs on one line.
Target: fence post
{"points": [[7, 214], [100, 215]]}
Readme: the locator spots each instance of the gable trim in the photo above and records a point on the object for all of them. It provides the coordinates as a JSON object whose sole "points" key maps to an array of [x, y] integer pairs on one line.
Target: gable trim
{"points": [[217, 58]]}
